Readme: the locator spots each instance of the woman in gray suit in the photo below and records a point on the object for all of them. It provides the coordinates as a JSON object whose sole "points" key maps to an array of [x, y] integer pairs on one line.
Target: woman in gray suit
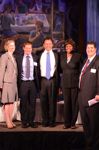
{"points": [[8, 81]]}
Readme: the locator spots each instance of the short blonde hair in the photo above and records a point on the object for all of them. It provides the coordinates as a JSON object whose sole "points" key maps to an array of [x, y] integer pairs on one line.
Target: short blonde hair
{"points": [[7, 42]]}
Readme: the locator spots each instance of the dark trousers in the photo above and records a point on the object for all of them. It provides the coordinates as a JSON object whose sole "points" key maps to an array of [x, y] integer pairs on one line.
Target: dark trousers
{"points": [[48, 100], [28, 101], [70, 106], [90, 121]]}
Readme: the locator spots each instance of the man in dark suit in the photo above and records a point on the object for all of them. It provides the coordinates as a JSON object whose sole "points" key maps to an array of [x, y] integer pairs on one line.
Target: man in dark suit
{"points": [[27, 81], [89, 88], [49, 83]]}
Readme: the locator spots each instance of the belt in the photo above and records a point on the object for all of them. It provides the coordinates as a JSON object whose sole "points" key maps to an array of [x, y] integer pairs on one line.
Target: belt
{"points": [[47, 79], [27, 80]]}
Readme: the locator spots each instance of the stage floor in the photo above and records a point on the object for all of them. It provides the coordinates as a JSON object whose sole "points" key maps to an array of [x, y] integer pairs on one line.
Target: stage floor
{"points": [[58, 128]]}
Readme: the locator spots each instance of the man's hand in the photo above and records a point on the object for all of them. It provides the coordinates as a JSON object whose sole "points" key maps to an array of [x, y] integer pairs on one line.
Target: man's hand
{"points": [[97, 97]]}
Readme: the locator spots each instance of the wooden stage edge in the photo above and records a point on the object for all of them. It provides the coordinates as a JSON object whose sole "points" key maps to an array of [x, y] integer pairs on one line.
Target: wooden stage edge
{"points": [[41, 138], [57, 128]]}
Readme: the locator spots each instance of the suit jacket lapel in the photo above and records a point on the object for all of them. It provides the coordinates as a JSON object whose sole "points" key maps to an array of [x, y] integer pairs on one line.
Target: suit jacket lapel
{"points": [[56, 59], [65, 57], [13, 61], [90, 65], [20, 62]]}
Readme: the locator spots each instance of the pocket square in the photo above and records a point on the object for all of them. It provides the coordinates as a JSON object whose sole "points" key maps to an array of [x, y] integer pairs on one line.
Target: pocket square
{"points": [[93, 70], [35, 63]]}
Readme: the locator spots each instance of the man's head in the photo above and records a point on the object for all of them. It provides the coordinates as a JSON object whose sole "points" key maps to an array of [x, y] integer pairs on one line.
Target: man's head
{"points": [[48, 43], [27, 47], [91, 49]]}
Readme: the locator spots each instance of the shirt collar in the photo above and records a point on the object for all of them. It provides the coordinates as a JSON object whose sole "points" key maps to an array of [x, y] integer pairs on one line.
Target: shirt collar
{"points": [[90, 59], [27, 55], [48, 51]]}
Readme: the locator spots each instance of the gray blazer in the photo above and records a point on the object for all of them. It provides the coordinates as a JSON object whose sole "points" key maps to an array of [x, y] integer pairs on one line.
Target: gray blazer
{"points": [[8, 69]]}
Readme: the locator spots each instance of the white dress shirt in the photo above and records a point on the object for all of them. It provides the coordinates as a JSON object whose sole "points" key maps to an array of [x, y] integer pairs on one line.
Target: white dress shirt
{"points": [[43, 63]]}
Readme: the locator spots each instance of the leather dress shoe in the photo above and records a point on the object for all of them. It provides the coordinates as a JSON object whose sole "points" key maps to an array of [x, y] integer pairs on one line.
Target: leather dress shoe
{"points": [[25, 125], [66, 127], [33, 125], [52, 124], [45, 124], [73, 127]]}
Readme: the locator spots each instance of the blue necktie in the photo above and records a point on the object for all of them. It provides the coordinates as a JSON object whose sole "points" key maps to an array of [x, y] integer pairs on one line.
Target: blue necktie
{"points": [[27, 67], [48, 66]]}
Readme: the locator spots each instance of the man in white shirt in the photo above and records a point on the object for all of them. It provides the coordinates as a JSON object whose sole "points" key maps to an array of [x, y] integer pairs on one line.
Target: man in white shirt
{"points": [[49, 83]]}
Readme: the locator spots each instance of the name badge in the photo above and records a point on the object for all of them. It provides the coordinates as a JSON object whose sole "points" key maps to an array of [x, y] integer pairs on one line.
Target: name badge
{"points": [[93, 70], [35, 63]]}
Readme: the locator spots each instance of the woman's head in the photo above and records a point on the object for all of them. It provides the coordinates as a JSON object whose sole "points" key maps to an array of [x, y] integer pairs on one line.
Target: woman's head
{"points": [[69, 45], [9, 46]]}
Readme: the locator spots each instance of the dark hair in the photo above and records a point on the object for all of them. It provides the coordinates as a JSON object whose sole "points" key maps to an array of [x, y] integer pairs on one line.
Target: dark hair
{"points": [[71, 42], [26, 43], [48, 38], [92, 43]]}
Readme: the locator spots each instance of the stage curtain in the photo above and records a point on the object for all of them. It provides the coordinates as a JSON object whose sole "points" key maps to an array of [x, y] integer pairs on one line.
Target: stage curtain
{"points": [[92, 20]]}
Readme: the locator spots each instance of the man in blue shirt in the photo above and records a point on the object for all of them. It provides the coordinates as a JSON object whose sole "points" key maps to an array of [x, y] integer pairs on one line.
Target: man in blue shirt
{"points": [[27, 81]]}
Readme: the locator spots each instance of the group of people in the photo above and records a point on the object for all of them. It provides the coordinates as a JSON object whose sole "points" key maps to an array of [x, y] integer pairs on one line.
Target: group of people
{"points": [[25, 75]]}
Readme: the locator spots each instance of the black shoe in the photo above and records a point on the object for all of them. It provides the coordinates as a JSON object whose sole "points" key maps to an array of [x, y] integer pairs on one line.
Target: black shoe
{"points": [[66, 127], [33, 125], [45, 124], [52, 124], [73, 127], [25, 125]]}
